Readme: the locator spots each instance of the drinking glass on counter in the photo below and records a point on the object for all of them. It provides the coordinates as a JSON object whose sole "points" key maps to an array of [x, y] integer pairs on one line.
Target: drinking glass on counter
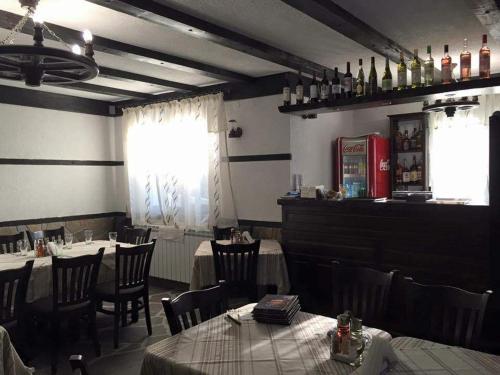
{"points": [[68, 239], [88, 236], [22, 246], [59, 247], [112, 239]]}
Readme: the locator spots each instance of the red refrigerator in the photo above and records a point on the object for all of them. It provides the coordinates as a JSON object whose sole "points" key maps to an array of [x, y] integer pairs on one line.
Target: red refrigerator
{"points": [[362, 166]]}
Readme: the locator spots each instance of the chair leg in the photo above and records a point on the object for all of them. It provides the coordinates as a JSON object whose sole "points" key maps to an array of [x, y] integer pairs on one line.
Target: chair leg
{"points": [[93, 331], [55, 344], [147, 314], [116, 327], [124, 313], [135, 311]]}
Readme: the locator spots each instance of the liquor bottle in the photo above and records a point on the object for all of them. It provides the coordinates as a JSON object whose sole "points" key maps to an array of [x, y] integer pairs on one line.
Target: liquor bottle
{"points": [[398, 139], [465, 63], [419, 171], [413, 140], [399, 173], [313, 90], [299, 90], [336, 89], [324, 88], [406, 141], [484, 59], [406, 173], [416, 70], [286, 93], [360, 81], [348, 81], [419, 139], [402, 79], [372, 79], [387, 77], [446, 66], [413, 171], [429, 68]]}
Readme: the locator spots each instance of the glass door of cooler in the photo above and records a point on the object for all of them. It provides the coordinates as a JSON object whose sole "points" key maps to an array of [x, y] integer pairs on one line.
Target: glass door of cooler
{"points": [[354, 174]]}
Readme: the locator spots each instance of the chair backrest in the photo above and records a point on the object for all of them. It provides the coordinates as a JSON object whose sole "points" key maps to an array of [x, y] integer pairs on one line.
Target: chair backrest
{"points": [[222, 233], [13, 288], [77, 363], [51, 234], [445, 314], [132, 265], [8, 244], [194, 307], [137, 236], [237, 264], [74, 279], [363, 291]]}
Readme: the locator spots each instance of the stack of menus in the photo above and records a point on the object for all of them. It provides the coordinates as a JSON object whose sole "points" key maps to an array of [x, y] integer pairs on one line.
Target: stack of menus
{"points": [[276, 309]]}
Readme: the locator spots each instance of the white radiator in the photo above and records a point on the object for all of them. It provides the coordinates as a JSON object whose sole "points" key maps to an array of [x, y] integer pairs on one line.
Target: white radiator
{"points": [[173, 259]]}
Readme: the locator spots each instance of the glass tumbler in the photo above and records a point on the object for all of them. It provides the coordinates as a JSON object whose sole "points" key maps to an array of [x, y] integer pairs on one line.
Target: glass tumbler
{"points": [[112, 239], [59, 247], [22, 246], [68, 240], [88, 236]]}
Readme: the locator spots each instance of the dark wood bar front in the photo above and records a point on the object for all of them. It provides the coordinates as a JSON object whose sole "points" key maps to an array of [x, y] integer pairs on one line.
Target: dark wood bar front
{"points": [[433, 243]]}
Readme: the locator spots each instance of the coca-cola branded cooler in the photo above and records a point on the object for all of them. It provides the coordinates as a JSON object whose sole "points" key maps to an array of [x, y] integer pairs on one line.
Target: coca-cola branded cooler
{"points": [[362, 166]]}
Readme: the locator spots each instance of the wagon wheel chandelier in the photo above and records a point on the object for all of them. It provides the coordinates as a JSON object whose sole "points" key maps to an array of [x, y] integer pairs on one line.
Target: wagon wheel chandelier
{"points": [[38, 64]]}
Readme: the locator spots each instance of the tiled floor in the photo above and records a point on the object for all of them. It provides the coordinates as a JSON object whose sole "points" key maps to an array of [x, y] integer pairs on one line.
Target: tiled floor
{"points": [[126, 360]]}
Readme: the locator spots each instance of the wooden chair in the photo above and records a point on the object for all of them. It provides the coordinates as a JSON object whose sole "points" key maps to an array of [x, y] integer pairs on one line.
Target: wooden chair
{"points": [[363, 291], [77, 363], [8, 244], [137, 236], [131, 284], [237, 264], [51, 234], [73, 295], [445, 314], [194, 307]]}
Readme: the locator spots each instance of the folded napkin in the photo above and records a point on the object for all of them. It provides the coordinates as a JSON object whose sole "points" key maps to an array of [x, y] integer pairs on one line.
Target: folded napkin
{"points": [[51, 248], [379, 356]]}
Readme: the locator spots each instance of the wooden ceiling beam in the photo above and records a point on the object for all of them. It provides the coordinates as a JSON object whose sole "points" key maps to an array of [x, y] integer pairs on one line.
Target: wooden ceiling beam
{"points": [[164, 15], [106, 90], [8, 20]]}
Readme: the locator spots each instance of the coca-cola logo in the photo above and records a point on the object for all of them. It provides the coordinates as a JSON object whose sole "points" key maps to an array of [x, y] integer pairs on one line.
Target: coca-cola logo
{"points": [[385, 165], [358, 148]]}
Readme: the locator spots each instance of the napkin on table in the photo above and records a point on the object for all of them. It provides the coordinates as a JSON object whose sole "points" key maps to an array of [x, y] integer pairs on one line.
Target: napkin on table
{"points": [[379, 357]]}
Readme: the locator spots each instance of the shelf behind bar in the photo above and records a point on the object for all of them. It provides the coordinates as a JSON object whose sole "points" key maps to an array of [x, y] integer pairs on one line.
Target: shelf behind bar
{"points": [[475, 86]]}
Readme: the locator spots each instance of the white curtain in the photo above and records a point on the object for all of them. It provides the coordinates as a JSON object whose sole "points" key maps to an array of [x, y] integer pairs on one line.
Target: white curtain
{"points": [[173, 162], [459, 149]]}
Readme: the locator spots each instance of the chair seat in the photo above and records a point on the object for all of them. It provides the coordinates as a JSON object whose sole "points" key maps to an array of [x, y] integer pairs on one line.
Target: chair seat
{"points": [[45, 306], [106, 291]]}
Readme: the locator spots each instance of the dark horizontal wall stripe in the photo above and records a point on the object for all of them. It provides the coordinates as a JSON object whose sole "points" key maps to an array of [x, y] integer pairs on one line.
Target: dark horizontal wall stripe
{"points": [[49, 100], [107, 163], [45, 220], [265, 157], [258, 223]]}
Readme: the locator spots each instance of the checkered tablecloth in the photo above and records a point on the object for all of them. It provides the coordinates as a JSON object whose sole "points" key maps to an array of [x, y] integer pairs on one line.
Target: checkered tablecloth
{"points": [[271, 269], [425, 357], [221, 347]]}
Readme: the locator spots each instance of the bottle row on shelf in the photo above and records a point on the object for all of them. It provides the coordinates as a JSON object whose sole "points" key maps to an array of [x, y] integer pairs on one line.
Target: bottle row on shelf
{"points": [[406, 143], [328, 91], [412, 175]]}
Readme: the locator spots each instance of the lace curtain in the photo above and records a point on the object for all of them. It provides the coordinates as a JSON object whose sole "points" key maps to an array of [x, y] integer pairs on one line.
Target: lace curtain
{"points": [[173, 162], [459, 149]]}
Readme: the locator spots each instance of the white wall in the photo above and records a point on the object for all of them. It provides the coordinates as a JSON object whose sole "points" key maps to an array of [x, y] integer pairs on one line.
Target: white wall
{"points": [[33, 191]]}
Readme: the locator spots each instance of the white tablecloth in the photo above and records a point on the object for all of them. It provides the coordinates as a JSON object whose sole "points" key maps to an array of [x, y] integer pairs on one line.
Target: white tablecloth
{"points": [[426, 357], [10, 363], [221, 347], [271, 269], [40, 285]]}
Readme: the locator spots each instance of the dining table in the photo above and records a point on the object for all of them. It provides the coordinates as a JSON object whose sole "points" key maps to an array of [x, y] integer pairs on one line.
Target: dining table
{"points": [[40, 284], [271, 266]]}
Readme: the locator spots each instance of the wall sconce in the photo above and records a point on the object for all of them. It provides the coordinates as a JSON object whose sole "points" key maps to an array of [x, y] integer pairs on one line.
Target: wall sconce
{"points": [[235, 131]]}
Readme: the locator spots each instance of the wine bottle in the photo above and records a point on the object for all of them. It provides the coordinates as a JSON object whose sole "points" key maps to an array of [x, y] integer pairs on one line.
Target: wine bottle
{"points": [[416, 70], [484, 59], [446, 66], [372, 79], [360, 81], [387, 77], [406, 173], [286, 93], [413, 170], [299, 90], [402, 74], [313, 90], [336, 89], [324, 88], [429, 68], [348, 81], [465, 63]]}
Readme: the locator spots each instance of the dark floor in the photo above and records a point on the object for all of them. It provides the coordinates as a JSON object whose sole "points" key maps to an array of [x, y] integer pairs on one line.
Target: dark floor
{"points": [[126, 360]]}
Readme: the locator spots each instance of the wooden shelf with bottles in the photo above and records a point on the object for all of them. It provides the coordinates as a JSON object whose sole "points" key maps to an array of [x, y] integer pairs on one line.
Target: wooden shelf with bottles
{"points": [[475, 86]]}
